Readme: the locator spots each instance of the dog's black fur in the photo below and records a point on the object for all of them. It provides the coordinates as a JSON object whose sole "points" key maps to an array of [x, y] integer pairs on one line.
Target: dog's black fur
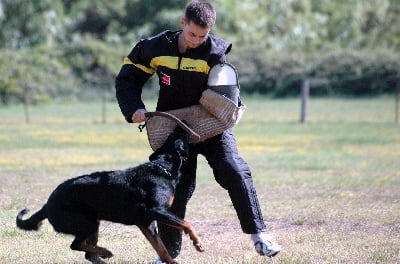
{"points": [[135, 196]]}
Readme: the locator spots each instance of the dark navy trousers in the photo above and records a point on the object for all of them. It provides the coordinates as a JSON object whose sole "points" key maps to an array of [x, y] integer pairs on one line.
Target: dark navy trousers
{"points": [[231, 172]]}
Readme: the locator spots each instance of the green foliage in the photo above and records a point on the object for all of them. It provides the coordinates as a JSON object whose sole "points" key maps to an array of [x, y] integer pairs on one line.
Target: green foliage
{"points": [[93, 62], [26, 24], [93, 17], [355, 73], [309, 25], [153, 16], [344, 72], [270, 73], [34, 75], [304, 25], [77, 45]]}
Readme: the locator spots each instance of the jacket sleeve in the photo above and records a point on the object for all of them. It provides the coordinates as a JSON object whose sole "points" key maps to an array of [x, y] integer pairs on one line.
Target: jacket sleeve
{"points": [[130, 80], [219, 49]]}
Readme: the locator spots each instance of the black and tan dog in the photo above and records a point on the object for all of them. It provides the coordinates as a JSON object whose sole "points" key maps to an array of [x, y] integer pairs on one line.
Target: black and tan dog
{"points": [[136, 196]]}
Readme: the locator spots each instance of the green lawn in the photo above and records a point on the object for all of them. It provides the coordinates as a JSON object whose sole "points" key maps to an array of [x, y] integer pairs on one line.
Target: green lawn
{"points": [[329, 189]]}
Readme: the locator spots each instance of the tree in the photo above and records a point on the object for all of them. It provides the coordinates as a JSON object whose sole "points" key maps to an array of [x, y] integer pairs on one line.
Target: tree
{"points": [[25, 24], [34, 75], [93, 17], [53, 46]]}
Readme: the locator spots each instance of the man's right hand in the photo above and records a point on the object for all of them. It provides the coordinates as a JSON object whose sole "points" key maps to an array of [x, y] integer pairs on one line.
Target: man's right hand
{"points": [[139, 116]]}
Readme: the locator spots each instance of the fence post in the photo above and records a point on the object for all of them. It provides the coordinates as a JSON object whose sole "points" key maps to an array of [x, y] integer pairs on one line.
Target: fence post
{"points": [[27, 100], [104, 105], [305, 94], [397, 114]]}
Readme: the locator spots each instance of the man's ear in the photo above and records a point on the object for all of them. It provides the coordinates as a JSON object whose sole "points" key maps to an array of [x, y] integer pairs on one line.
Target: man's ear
{"points": [[183, 22]]}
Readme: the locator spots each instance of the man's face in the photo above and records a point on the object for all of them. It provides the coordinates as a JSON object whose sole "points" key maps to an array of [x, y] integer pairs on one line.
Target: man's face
{"points": [[193, 35]]}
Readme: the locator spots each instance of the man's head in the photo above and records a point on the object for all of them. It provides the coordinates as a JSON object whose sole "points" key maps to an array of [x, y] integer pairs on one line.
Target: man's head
{"points": [[201, 13], [196, 24]]}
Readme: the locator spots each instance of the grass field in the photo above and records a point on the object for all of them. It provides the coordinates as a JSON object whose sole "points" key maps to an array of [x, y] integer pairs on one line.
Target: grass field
{"points": [[329, 189]]}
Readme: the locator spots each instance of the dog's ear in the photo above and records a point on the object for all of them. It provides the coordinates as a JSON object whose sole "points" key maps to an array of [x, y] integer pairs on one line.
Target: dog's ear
{"points": [[182, 147], [155, 154], [177, 141], [179, 131], [181, 144]]}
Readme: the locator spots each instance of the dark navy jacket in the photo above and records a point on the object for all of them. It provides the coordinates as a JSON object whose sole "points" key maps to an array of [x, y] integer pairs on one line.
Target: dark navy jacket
{"points": [[182, 77]]}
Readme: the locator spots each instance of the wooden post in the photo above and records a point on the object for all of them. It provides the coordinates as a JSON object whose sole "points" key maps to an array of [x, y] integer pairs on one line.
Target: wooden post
{"points": [[305, 94], [26, 102], [397, 114], [104, 105]]}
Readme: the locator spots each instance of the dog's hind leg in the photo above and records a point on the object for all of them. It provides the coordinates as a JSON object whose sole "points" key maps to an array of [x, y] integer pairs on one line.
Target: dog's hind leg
{"points": [[150, 232], [94, 257], [84, 227], [88, 244]]}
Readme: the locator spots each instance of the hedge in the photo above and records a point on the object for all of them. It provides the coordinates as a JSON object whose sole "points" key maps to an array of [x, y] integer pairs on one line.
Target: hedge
{"points": [[87, 68], [346, 73]]}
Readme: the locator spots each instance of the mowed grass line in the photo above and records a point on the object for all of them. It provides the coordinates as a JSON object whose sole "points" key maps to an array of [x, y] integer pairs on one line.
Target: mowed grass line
{"points": [[329, 189]]}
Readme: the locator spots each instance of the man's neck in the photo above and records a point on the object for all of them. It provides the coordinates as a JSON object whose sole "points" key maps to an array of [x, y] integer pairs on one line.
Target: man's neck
{"points": [[181, 44]]}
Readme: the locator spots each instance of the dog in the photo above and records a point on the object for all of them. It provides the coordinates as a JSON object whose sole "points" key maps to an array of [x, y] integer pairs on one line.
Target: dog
{"points": [[137, 196]]}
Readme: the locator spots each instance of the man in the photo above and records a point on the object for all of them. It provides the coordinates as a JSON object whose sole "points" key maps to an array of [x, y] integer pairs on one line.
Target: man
{"points": [[182, 60]]}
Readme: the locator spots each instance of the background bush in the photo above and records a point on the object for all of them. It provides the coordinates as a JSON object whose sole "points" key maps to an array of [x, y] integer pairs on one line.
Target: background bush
{"points": [[35, 75], [73, 49], [355, 73], [339, 73], [87, 70]]}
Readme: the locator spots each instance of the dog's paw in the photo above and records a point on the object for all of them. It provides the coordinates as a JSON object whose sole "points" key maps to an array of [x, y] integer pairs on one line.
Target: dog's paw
{"points": [[94, 258], [106, 254]]}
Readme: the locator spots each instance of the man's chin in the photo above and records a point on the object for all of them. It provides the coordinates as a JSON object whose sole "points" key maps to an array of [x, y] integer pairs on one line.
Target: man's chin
{"points": [[193, 46]]}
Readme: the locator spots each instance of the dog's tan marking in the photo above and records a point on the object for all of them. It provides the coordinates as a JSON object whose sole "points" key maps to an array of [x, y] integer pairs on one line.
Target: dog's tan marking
{"points": [[158, 245], [171, 201], [188, 228]]}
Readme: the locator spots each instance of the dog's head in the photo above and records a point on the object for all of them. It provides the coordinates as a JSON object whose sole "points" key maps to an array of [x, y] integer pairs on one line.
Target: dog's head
{"points": [[176, 146]]}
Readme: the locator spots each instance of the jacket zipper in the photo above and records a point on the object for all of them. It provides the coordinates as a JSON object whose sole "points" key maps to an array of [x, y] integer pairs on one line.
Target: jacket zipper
{"points": [[179, 75]]}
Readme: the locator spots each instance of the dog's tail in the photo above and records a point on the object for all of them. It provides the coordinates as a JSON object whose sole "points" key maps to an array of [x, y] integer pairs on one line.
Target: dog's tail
{"points": [[33, 222]]}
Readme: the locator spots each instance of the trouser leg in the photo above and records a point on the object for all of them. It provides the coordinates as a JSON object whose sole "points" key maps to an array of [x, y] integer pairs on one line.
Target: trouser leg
{"points": [[234, 175], [172, 237]]}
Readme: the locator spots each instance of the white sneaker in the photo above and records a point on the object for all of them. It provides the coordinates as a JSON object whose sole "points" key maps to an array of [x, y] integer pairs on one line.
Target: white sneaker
{"points": [[266, 246]]}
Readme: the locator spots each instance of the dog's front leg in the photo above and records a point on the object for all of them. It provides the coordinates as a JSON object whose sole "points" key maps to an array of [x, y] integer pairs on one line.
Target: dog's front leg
{"points": [[166, 217], [150, 232], [191, 231]]}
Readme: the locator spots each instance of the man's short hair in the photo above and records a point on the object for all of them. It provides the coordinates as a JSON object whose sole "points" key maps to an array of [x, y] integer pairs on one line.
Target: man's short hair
{"points": [[201, 13]]}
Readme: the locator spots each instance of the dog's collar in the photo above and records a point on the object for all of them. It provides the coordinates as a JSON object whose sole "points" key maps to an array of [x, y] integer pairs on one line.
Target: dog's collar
{"points": [[163, 170]]}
